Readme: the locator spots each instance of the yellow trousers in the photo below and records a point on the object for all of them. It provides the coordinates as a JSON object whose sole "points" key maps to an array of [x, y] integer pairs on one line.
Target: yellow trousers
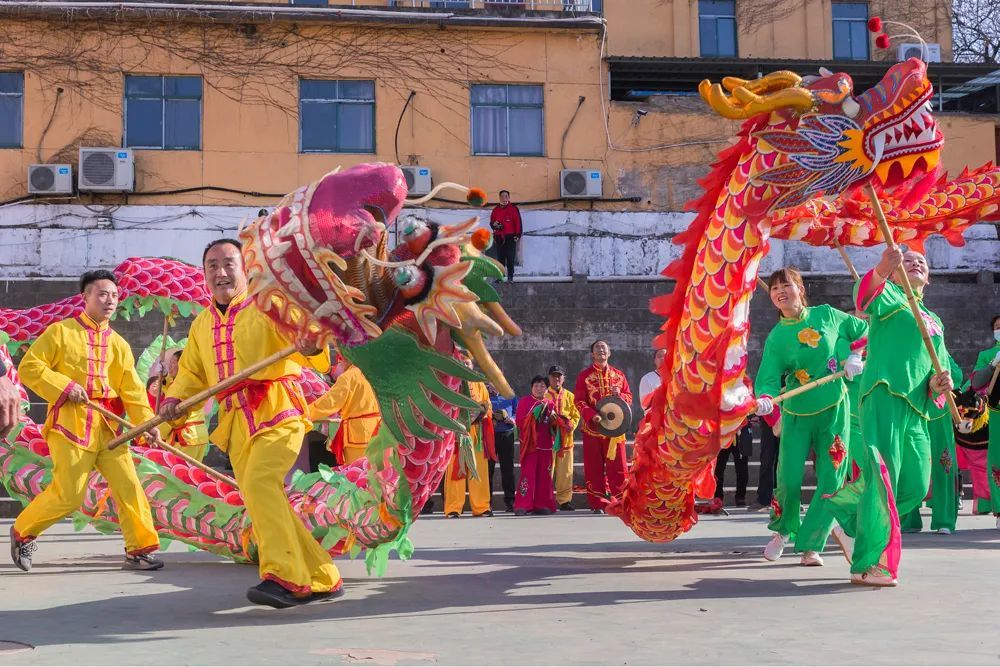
{"points": [[71, 468], [479, 489], [562, 473], [287, 552]]}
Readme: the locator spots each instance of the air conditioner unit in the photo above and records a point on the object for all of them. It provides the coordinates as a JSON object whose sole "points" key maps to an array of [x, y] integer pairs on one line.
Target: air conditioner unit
{"points": [[106, 170], [47, 179], [580, 184], [418, 180], [929, 53]]}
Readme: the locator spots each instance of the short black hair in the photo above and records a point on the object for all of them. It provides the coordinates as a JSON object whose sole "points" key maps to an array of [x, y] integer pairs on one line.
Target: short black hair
{"points": [[233, 242], [599, 340], [506, 192], [993, 321], [539, 378], [94, 276]]}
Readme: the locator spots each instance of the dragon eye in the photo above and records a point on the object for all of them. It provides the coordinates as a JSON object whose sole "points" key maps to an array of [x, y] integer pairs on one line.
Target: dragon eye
{"points": [[414, 228], [850, 107], [407, 275]]}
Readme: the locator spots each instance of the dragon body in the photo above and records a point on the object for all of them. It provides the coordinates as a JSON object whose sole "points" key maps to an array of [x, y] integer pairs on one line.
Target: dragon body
{"points": [[795, 172]]}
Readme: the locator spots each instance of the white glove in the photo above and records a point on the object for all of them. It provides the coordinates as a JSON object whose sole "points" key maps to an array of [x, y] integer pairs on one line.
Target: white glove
{"points": [[853, 366], [765, 406], [965, 426]]}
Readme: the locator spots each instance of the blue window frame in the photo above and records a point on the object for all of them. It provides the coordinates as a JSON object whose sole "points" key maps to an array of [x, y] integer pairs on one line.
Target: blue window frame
{"points": [[336, 116], [717, 28], [11, 109], [508, 120], [163, 112], [850, 30]]}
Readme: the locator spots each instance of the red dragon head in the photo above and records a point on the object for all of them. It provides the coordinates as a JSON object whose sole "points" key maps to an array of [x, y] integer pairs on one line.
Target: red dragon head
{"points": [[818, 138]]}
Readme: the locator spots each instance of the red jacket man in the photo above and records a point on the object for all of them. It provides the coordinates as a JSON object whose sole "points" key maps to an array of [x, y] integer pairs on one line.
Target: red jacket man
{"points": [[603, 458], [505, 220]]}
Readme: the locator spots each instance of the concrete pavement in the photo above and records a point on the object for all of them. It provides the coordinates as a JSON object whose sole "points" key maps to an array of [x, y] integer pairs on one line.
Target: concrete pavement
{"points": [[567, 589]]}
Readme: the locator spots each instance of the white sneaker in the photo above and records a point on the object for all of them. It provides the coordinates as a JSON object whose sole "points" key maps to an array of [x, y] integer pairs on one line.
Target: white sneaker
{"points": [[943, 531], [844, 541], [874, 576], [775, 547], [811, 559]]}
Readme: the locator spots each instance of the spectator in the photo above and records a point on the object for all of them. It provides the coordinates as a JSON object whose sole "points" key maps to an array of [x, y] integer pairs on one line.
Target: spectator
{"points": [[768, 467], [651, 380], [535, 416], [740, 450], [504, 432], [563, 426], [506, 223]]}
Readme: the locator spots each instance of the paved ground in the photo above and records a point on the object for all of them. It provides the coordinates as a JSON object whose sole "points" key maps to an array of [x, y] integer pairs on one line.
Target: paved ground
{"points": [[577, 589]]}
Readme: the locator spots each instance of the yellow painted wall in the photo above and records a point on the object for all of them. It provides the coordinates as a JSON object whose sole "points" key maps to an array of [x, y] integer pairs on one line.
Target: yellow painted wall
{"points": [[250, 145]]}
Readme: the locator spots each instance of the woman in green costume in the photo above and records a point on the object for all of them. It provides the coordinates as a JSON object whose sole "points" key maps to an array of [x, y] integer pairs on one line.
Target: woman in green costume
{"points": [[982, 375], [898, 388], [801, 348]]}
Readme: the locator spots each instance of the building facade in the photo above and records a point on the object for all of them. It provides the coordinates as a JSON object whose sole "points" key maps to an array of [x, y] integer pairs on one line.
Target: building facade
{"points": [[228, 106]]}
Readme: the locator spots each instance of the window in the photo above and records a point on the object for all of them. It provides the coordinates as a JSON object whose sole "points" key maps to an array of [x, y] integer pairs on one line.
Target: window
{"points": [[507, 120], [336, 116], [717, 28], [850, 31], [163, 112], [310, 3], [449, 4], [11, 108]]}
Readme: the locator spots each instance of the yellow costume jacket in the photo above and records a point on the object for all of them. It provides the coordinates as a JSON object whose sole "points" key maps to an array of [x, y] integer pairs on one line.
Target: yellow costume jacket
{"points": [[78, 351], [220, 344]]}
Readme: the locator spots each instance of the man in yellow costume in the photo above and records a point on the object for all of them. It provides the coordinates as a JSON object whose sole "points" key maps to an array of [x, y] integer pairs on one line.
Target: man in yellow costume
{"points": [[74, 361], [454, 479], [261, 425], [352, 398], [567, 417]]}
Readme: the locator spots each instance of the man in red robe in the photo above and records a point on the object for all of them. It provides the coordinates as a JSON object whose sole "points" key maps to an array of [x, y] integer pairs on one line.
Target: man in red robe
{"points": [[603, 457]]}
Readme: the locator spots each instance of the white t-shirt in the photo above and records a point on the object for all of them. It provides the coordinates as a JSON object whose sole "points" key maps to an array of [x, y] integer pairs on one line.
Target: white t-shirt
{"points": [[647, 384]]}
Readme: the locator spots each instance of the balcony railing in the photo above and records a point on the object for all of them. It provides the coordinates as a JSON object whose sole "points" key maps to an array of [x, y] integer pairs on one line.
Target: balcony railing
{"points": [[595, 6]]}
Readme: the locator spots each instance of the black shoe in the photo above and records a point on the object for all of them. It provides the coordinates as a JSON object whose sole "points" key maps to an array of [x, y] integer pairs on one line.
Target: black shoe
{"points": [[508, 506], [486, 513], [453, 515], [428, 507], [597, 511], [520, 513], [566, 507], [20, 551], [542, 512], [273, 594], [142, 562], [741, 502], [328, 595]]}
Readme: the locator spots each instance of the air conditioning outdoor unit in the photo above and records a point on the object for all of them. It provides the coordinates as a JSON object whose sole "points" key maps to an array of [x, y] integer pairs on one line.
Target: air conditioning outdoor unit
{"points": [[929, 53], [106, 170], [580, 184], [418, 180], [48, 179]]}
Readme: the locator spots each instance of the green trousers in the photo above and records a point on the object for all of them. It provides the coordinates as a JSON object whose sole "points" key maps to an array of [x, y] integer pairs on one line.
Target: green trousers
{"points": [[993, 461], [944, 480], [826, 435], [895, 473]]}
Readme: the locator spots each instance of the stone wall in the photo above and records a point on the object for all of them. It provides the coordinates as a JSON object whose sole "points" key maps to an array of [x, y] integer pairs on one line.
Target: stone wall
{"points": [[561, 319]]}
